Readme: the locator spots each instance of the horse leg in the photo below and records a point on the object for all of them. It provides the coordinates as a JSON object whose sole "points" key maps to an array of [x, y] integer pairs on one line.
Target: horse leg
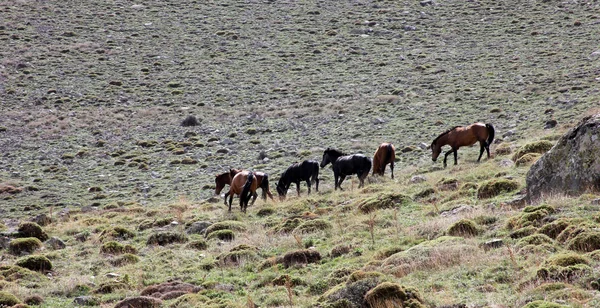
{"points": [[230, 200], [456, 157], [481, 148], [487, 148], [225, 198], [317, 184], [446, 156], [342, 177], [298, 188], [254, 196], [308, 184], [392, 168]]}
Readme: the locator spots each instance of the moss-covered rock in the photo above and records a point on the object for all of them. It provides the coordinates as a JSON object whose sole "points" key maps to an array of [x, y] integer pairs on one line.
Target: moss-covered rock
{"points": [[388, 294], [360, 275], [382, 201], [20, 275], [303, 256], [523, 232], [125, 259], [543, 304], [166, 238], [349, 295], [527, 159], [117, 232], [265, 211], [140, 301], [585, 241], [110, 287], [223, 235], [288, 225], [554, 228], [225, 225], [24, 245], [564, 267], [496, 187], [531, 216], [8, 299], [117, 248], [539, 147], [236, 257], [32, 229], [313, 225], [535, 239], [198, 245], [37, 263], [464, 228]]}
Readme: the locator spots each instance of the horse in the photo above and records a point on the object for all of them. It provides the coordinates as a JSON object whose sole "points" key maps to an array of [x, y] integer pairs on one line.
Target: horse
{"points": [[344, 165], [307, 170], [225, 179], [243, 184], [460, 136], [385, 154]]}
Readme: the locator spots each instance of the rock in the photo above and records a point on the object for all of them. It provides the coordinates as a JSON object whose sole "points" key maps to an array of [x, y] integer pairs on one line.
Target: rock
{"points": [[418, 179], [426, 2], [550, 124], [198, 227], [517, 202], [572, 166], [595, 202], [227, 141], [457, 210], [85, 301], [42, 220], [82, 236], [377, 121], [509, 133], [55, 243], [139, 302], [492, 244], [223, 151], [506, 163], [423, 146], [213, 200], [4, 242]]}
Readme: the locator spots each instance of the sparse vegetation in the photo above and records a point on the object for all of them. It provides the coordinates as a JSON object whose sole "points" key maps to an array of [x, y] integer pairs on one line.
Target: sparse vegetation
{"points": [[115, 120]]}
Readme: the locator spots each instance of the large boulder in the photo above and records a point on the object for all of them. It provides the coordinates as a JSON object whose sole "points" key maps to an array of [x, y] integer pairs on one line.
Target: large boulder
{"points": [[572, 166]]}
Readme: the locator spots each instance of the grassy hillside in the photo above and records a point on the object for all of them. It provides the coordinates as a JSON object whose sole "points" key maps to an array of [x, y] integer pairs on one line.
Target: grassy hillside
{"points": [[92, 96]]}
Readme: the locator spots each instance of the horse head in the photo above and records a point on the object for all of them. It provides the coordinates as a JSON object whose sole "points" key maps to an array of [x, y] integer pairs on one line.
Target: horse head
{"points": [[435, 151]]}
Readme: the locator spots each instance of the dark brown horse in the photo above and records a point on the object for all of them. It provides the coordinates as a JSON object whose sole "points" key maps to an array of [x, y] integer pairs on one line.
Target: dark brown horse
{"points": [[385, 154], [243, 184], [461, 136], [225, 179], [344, 165]]}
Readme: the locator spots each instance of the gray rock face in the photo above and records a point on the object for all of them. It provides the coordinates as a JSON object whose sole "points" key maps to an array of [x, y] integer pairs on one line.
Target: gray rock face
{"points": [[572, 166]]}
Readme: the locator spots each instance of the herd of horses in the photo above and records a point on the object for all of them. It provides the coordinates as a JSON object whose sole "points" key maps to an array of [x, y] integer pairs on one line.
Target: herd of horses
{"points": [[244, 183]]}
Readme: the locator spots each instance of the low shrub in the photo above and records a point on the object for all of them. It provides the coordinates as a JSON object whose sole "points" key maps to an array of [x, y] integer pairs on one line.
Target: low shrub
{"points": [[496, 187], [35, 263], [24, 245]]}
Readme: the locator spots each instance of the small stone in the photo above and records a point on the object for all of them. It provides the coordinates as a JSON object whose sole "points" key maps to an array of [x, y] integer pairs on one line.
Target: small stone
{"points": [[509, 133], [198, 227], [85, 301], [81, 237], [112, 275], [492, 244], [423, 146], [56, 243], [506, 163], [517, 202], [426, 2], [223, 151], [550, 124], [418, 179], [596, 201]]}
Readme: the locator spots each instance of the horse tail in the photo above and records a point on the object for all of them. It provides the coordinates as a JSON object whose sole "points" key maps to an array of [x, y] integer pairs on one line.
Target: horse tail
{"points": [[491, 133], [314, 173], [246, 188], [388, 153], [264, 185], [368, 164]]}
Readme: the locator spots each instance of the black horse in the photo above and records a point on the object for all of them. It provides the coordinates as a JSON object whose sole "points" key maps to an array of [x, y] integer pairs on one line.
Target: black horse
{"points": [[307, 170], [344, 165]]}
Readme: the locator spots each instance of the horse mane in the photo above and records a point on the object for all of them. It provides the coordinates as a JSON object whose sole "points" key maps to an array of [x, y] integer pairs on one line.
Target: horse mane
{"points": [[447, 131], [334, 151]]}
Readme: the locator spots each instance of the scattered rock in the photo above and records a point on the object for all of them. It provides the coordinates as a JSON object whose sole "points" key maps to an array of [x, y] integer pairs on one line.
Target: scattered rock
{"points": [[509, 133], [26, 245], [457, 210], [139, 302], [595, 202], [190, 120], [303, 256], [417, 179], [550, 124], [464, 228], [42, 220], [223, 151], [554, 174], [388, 294], [166, 238], [492, 244], [86, 301], [36, 263], [198, 227], [506, 163], [55, 243], [423, 146]]}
